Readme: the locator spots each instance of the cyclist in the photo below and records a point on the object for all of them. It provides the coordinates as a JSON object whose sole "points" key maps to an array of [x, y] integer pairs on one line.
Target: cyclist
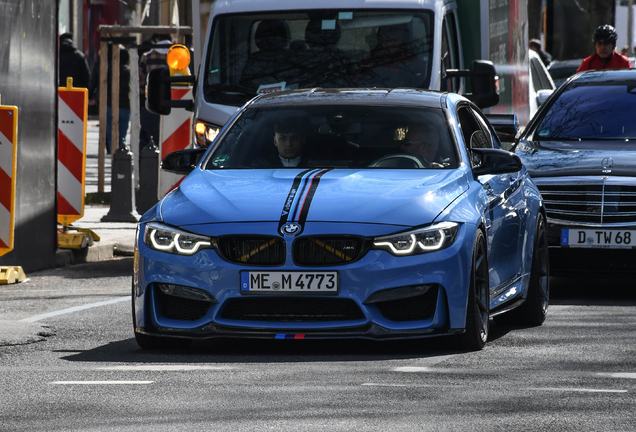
{"points": [[605, 57]]}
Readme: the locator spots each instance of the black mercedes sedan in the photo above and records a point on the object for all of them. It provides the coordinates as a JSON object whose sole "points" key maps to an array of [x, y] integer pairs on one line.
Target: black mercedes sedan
{"points": [[580, 149]]}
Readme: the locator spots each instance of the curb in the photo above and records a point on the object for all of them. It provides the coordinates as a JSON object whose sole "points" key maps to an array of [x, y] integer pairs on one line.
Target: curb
{"points": [[95, 253]]}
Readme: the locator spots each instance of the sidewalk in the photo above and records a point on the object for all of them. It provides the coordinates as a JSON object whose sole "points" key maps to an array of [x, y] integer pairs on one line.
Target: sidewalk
{"points": [[116, 238]]}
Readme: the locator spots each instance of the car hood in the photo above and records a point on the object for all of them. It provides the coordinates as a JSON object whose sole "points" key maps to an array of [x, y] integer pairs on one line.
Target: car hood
{"points": [[574, 158], [404, 197]]}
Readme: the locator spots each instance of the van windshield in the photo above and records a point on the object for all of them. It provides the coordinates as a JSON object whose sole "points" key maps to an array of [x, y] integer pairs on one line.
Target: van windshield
{"points": [[251, 54]]}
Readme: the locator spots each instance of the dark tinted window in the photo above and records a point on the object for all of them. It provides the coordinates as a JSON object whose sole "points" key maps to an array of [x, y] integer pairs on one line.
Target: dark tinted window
{"points": [[340, 137], [591, 112], [257, 53]]}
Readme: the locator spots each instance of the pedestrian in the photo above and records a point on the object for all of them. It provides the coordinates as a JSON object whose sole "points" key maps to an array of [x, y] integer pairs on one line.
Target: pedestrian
{"points": [[605, 57], [124, 97], [72, 63], [155, 58], [535, 45], [625, 51]]}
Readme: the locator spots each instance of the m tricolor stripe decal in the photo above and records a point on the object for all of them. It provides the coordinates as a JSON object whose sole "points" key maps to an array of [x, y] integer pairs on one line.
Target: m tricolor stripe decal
{"points": [[300, 197]]}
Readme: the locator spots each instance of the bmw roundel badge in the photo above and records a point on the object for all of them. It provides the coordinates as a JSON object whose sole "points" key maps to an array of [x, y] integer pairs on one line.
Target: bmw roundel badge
{"points": [[290, 228]]}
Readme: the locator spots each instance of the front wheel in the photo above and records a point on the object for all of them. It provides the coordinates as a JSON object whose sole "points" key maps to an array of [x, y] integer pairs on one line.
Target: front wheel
{"points": [[478, 311]]}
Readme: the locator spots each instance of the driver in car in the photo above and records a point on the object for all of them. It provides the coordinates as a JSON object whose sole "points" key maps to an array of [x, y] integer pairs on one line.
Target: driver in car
{"points": [[289, 140], [422, 140]]}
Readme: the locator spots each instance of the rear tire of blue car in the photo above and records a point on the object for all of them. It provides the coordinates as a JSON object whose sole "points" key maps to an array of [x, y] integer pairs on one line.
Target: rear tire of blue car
{"points": [[478, 312], [533, 311]]}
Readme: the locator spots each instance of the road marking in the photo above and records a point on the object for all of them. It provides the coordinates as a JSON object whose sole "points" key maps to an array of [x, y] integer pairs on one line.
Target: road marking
{"points": [[427, 369], [574, 389], [401, 385], [629, 375], [170, 368], [100, 382], [73, 309]]}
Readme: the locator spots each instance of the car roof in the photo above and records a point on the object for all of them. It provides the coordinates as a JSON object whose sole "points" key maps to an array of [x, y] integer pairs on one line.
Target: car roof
{"points": [[564, 64], [373, 96], [599, 76]]}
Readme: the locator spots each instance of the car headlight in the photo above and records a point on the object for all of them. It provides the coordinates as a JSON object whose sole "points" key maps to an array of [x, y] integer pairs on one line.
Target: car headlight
{"points": [[423, 240], [205, 133], [166, 239]]}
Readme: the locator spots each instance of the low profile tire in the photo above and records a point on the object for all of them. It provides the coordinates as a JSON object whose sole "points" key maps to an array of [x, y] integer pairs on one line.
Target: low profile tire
{"points": [[478, 312], [534, 310]]}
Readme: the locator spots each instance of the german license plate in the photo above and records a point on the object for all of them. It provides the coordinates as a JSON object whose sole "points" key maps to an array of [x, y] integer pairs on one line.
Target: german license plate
{"points": [[595, 238], [289, 282]]}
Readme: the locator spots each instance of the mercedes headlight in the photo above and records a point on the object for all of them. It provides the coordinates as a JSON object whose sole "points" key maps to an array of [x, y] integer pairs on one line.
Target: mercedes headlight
{"points": [[167, 239], [205, 133], [432, 238]]}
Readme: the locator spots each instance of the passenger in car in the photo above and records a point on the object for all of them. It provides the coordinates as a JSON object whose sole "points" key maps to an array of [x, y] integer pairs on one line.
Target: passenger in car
{"points": [[423, 141], [266, 66], [394, 61]]}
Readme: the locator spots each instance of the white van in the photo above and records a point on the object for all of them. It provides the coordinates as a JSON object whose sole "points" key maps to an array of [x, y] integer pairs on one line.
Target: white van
{"points": [[262, 46]]}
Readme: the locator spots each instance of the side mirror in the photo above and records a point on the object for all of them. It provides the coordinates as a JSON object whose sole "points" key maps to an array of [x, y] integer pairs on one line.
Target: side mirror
{"points": [[543, 95], [483, 81], [182, 161], [159, 95], [158, 91], [494, 161], [505, 125]]}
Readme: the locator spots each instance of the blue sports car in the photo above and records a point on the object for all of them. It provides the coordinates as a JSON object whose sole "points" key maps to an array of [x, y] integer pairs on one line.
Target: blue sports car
{"points": [[344, 214]]}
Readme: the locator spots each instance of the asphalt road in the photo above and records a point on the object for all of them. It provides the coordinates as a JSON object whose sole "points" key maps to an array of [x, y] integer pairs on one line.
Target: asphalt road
{"points": [[81, 370]]}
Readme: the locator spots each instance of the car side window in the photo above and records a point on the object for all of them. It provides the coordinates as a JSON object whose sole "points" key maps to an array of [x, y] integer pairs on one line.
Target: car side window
{"points": [[474, 133], [539, 77]]}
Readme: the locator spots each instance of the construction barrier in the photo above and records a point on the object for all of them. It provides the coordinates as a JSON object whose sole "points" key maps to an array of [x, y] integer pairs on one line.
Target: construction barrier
{"points": [[175, 134], [71, 152], [71, 166], [8, 169]]}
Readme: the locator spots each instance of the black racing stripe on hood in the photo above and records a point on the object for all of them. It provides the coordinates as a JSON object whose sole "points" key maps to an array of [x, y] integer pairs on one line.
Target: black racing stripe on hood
{"points": [[284, 216], [313, 186]]}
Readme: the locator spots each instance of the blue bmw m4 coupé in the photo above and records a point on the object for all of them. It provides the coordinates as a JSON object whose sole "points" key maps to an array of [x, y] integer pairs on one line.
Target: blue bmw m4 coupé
{"points": [[344, 214]]}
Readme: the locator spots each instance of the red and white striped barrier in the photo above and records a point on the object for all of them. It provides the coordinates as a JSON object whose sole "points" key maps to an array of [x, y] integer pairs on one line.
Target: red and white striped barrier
{"points": [[71, 152], [176, 134], [8, 169]]}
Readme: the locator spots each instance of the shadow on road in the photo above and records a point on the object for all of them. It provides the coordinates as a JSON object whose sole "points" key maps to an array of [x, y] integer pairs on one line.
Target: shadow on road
{"points": [[593, 290], [264, 351]]}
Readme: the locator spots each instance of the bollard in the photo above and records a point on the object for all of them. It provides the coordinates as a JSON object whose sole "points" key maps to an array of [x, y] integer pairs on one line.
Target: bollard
{"points": [[122, 196], [148, 178]]}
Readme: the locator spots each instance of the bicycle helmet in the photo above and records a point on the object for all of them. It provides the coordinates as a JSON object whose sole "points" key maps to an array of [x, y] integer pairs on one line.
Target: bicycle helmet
{"points": [[605, 33]]}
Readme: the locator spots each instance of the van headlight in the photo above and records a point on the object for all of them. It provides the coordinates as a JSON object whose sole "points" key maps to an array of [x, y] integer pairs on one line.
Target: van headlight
{"points": [[171, 240], [423, 240], [205, 133]]}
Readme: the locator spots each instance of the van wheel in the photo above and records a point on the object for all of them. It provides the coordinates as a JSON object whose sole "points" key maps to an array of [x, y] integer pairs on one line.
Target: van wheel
{"points": [[478, 312]]}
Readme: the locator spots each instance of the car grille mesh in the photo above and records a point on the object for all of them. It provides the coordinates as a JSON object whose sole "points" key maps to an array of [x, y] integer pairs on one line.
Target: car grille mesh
{"points": [[253, 250], [410, 309], [593, 204], [181, 308], [327, 250], [291, 309]]}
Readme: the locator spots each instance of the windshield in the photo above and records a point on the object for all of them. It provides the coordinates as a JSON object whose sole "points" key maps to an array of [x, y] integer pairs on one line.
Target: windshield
{"points": [[591, 111], [266, 52], [336, 137]]}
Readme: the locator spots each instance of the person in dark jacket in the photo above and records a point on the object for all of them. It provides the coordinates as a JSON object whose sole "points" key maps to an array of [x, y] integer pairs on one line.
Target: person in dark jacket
{"points": [[124, 98], [72, 63]]}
